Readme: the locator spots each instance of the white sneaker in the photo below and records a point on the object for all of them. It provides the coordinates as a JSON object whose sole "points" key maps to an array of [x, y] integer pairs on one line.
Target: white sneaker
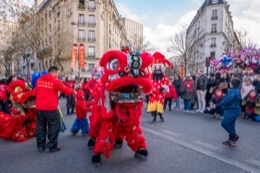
{"points": [[197, 110], [201, 111]]}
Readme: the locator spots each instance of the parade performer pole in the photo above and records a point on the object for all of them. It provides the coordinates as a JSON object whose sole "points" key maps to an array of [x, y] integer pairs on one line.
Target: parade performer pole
{"points": [[62, 124]]}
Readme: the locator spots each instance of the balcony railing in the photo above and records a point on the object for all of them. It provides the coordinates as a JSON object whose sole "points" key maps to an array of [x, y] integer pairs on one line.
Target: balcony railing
{"points": [[214, 18], [91, 55], [81, 6], [91, 39], [213, 45], [91, 24], [91, 8], [82, 39], [214, 31], [82, 23]]}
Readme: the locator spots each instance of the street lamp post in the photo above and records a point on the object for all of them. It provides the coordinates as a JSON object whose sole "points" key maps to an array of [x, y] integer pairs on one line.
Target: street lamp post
{"points": [[73, 23]]}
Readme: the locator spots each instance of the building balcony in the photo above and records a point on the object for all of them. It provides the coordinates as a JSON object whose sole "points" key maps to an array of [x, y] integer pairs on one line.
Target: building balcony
{"points": [[91, 24], [91, 55], [213, 46], [214, 31], [91, 39], [82, 23], [91, 8], [214, 18], [82, 39], [81, 7]]}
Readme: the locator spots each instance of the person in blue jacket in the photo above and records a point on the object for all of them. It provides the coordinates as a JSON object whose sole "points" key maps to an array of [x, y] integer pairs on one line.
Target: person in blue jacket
{"points": [[231, 103]]}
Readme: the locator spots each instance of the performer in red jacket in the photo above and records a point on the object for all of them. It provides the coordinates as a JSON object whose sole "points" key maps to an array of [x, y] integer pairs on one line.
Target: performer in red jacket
{"points": [[82, 107], [46, 91]]}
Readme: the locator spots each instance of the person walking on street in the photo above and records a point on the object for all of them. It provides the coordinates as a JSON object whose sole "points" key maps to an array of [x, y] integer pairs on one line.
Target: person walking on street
{"points": [[202, 83], [46, 92]]}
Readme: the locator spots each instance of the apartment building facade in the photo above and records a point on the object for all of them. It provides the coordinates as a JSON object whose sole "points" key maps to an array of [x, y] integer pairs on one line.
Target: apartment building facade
{"points": [[135, 34], [95, 23], [211, 33]]}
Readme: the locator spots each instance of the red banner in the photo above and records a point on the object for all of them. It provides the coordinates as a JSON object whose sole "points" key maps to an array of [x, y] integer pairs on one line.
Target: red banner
{"points": [[74, 55], [82, 56], [182, 71]]}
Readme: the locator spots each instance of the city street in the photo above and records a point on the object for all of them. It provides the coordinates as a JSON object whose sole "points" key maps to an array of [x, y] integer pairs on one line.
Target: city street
{"points": [[186, 142]]}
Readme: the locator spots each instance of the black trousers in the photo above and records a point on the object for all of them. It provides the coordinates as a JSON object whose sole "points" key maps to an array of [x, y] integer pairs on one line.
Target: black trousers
{"points": [[166, 101], [70, 102], [52, 120]]}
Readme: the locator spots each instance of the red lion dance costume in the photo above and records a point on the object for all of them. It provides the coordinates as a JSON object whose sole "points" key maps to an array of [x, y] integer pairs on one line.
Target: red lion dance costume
{"points": [[21, 124], [160, 86], [118, 103]]}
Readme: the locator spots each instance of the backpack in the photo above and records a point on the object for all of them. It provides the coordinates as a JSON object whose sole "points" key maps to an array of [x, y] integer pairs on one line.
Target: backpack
{"points": [[189, 86]]}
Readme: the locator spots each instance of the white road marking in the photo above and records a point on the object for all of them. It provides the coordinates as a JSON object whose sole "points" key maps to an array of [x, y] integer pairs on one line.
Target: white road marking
{"points": [[204, 151], [170, 133], [253, 161], [203, 144]]}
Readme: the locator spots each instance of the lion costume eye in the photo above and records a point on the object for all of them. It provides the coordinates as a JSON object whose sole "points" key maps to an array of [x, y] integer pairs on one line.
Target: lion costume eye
{"points": [[113, 65]]}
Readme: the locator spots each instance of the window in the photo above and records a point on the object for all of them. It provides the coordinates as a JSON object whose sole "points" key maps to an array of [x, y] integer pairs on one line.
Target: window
{"points": [[91, 51], [214, 28], [82, 2], [213, 55], [214, 15], [82, 35], [91, 35], [91, 67], [82, 19], [214, 1], [91, 5], [213, 42], [58, 14], [92, 21]]}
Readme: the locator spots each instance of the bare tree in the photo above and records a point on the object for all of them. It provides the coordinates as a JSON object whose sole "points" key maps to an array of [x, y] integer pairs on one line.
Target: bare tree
{"points": [[7, 61], [181, 48], [32, 27], [140, 44], [244, 39]]}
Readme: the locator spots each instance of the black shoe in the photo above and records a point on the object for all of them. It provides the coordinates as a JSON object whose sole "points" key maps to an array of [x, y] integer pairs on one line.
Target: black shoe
{"points": [[236, 138], [72, 111], [91, 143], [170, 109], [161, 117], [118, 143], [68, 111], [41, 150], [154, 119], [54, 150], [141, 154], [96, 160]]}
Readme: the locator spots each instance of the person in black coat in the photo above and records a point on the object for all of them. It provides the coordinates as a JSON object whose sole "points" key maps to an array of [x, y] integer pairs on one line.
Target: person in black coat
{"points": [[177, 83], [210, 88]]}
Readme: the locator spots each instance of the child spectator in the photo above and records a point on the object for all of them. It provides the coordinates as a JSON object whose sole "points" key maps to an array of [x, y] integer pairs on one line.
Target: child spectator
{"points": [[250, 105], [82, 107], [169, 96], [216, 98], [231, 102]]}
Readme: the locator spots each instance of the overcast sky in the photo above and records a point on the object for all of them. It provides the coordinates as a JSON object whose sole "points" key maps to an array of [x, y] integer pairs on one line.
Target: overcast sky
{"points": [[161, 19]]}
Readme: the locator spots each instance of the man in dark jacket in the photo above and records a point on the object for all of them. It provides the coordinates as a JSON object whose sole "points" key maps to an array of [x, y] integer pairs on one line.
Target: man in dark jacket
{"points": [[202, 83], [46, 91]]}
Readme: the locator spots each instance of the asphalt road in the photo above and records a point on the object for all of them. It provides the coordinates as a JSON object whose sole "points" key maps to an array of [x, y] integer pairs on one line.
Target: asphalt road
{"points": [[184, 143]]}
